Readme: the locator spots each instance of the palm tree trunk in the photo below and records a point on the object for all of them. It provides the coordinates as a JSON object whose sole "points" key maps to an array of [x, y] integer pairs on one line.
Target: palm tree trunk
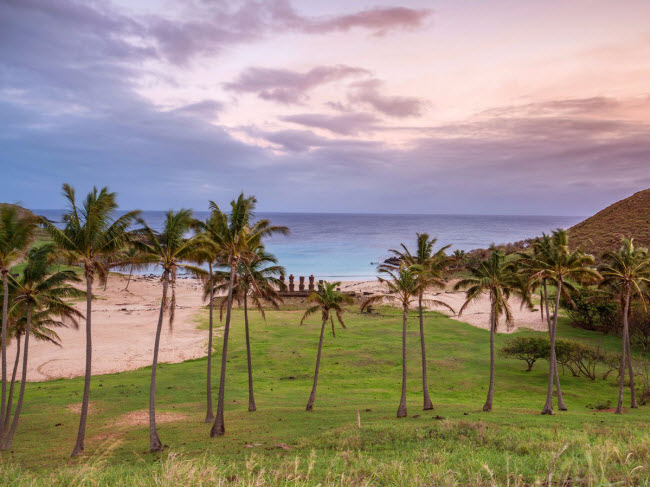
{"points": [[5, 316], [81, 434], [312, 396], [548, 407], [154, 441], [251, 397], [9, 439], [209, 414], [490, 396], [633, 403], [219, 428], [401, 410], [624, 357], [129, 281], [551, 331], [10, 396], [425, 383]]}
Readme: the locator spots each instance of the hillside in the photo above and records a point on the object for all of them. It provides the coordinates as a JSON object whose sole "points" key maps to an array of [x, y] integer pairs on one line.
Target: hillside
{"points": [[626, 218], [281, 444]]}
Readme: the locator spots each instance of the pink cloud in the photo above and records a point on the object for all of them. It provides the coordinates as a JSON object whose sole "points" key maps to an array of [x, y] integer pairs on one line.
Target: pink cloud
{"points": [[287, 86], [368, 93]]}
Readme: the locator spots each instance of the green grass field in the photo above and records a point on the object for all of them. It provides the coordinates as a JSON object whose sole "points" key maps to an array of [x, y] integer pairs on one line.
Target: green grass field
{"points": [[456, 444]]}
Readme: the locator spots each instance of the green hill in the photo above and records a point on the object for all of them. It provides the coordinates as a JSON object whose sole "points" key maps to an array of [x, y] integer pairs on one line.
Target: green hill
{"points": [[282, 444], [603, 231]]}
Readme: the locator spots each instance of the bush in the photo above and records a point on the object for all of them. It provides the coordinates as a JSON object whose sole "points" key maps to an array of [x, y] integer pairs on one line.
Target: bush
{"points": [[528, 349], [580, 359], [640, 328], [592, 309]]}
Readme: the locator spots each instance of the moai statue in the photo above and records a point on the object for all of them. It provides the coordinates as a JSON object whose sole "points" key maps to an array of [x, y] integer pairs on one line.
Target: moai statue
{"points": [[292, 287], [301, 286], [311, 283], [320, 283], [282, 284]]}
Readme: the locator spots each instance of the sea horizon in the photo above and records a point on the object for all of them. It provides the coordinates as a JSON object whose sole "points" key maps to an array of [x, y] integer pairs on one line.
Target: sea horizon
{"points": [[349, 246]]}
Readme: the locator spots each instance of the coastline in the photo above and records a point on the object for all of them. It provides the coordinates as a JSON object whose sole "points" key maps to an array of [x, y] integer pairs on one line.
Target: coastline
{"points": [[124, 325]]}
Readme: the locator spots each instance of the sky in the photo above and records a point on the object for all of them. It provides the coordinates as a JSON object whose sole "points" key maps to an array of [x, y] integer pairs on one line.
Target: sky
{"points": [[449, 106]]}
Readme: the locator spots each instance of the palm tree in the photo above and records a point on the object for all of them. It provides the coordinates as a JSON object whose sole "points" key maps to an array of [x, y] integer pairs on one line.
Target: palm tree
{"points": [[626, 272], [16, 232], [235, 234], [498, 278], [90, 233], [330, 303], [170, 250], [37, 290], [535, 268], [432, 267], [404, 287], [552, 262], [211, 255], [256, 279], [129, 258], [42, 329]]}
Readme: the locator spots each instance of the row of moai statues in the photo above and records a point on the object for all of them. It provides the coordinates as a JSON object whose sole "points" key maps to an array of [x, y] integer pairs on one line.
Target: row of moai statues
{"points": [[301, 285]]}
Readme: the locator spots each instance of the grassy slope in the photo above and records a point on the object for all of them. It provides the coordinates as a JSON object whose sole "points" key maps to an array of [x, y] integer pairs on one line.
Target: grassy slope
{"points": [[626, 218], [360, 370]]}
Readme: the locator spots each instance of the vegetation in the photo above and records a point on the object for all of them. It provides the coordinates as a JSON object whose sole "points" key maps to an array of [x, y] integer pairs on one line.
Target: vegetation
{"points": [[360, 369], [91, 233], [170, 251], [16, 232], [603, 231], [330, 303], [431, 269], [39, 298], [626, 273], [498, 278]]}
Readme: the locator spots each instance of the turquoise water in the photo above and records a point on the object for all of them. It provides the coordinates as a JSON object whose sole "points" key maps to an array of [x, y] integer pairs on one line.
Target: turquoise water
{"points": [[348, 246]]}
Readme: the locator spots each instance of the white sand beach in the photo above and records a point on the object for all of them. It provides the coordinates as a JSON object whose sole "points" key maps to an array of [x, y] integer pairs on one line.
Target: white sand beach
{"points": [[124, 324]]}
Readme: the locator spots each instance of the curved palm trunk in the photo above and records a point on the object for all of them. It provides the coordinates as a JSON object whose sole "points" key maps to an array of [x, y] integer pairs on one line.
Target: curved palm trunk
{"points": [[251, 397], [9, 439], [10, 396], [624, 355], [154, 441], [552, 331], [490, 396], [129, 281], [209, 414], [401, 410], [312, 396], [219, 428], [5, 313], [81, 434], [425, 382], [633, 403], [548, 406]]}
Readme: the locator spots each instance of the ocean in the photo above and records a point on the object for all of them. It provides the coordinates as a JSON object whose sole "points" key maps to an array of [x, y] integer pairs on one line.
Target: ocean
{"points": [[334, 246]]}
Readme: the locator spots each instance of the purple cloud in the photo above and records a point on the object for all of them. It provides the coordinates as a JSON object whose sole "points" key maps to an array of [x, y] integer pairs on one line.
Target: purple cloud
{"points": [[343, 124], [379, 20], [368, 94], [217, 25], [289, 87]]}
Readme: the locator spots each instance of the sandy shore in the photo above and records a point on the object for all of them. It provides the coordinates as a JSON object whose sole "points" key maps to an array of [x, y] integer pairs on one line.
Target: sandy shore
{"points": [[124, 324]]}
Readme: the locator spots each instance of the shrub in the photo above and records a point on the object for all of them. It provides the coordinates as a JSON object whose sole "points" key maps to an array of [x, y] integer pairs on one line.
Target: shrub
{"points": [[640, 328], [592, 309], [528, 349], [581, 360]]}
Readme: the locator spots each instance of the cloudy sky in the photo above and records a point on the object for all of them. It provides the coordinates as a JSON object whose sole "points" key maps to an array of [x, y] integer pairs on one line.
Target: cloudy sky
{"points": [[448, 106]]}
